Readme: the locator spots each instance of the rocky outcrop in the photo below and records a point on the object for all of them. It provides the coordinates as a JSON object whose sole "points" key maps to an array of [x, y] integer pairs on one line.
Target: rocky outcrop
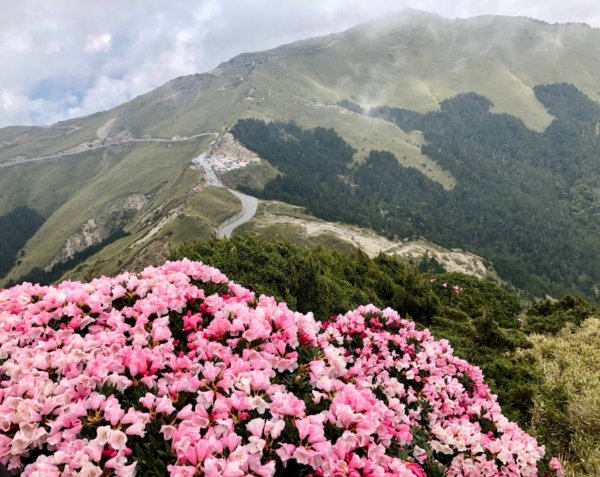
{"points": [[111, 218]]}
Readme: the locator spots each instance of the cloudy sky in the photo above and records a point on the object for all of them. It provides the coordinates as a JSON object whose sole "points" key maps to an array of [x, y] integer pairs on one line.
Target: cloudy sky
{"points": [[67, 58]]}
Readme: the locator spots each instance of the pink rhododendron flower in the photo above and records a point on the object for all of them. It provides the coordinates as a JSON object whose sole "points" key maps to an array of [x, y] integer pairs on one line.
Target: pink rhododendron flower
{"points": [[556, 467], [227, 385]]}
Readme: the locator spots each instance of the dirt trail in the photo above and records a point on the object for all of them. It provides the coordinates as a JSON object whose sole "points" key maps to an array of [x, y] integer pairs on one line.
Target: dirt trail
{"points": [[373, 244]]}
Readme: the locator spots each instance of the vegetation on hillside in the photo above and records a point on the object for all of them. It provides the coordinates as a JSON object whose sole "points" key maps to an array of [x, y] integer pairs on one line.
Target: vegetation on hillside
{"points": [[53, 274], [178, 371], [528, 201], [479, 318], [566, 410], [73, 190], [483, 322], [16, 228]]}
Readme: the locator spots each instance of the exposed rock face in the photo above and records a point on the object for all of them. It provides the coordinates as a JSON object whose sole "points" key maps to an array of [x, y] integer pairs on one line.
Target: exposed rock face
{"points": [[452, 260], [111, 218]]}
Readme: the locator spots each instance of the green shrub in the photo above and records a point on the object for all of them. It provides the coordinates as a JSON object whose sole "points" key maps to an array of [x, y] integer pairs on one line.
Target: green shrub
{"points": [[478, 318]]}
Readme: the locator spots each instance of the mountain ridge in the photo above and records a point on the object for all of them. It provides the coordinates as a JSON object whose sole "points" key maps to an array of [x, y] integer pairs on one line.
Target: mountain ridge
{"points": [[417, 63]]}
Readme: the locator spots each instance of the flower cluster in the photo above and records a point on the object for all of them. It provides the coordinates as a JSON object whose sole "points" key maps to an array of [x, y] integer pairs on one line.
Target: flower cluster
{"points": [[445, 286], [179, 371]]}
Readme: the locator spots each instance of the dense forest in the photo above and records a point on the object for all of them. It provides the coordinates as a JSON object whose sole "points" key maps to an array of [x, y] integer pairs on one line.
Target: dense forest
{"points": [[16, 228], [484, 323], [527, 201]]}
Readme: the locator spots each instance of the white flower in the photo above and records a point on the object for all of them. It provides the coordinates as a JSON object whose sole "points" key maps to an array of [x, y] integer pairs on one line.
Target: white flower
{"points": [[20, 443], [260, 404], [117, 440], [103, 434], [90, 470], [256, 444], [335, 359]]}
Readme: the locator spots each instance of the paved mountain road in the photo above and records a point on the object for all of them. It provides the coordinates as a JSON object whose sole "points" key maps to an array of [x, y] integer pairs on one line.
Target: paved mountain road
{"points": [[59, 155], [249, 203], [249, 206]]}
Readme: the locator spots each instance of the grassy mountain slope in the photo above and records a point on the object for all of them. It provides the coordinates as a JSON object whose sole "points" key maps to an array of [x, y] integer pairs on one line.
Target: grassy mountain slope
{"points": [[280, 221], [144, 146], [527, 201], [150, 172]]}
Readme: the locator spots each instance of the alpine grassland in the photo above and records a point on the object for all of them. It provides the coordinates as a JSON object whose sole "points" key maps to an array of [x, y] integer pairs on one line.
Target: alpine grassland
{"points": [[566, 410]]}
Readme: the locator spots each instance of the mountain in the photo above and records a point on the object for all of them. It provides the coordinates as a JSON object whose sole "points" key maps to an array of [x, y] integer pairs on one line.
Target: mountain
{"points": [[119, 187]]}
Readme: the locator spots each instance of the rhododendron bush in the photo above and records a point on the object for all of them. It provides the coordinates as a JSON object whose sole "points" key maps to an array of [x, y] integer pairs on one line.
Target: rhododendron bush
{"points": [[178, 371]]}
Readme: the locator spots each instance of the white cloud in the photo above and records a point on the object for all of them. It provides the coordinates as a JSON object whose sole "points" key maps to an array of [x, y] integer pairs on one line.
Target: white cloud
{"points": [[53, 47], [98, 43], [9, 100], [16, 108], [62, 58], [104, 94]]}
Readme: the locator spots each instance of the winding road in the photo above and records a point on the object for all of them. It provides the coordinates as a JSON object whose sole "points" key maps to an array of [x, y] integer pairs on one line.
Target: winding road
{"points": [[249, 203], [74, 150], [249, 206]]}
